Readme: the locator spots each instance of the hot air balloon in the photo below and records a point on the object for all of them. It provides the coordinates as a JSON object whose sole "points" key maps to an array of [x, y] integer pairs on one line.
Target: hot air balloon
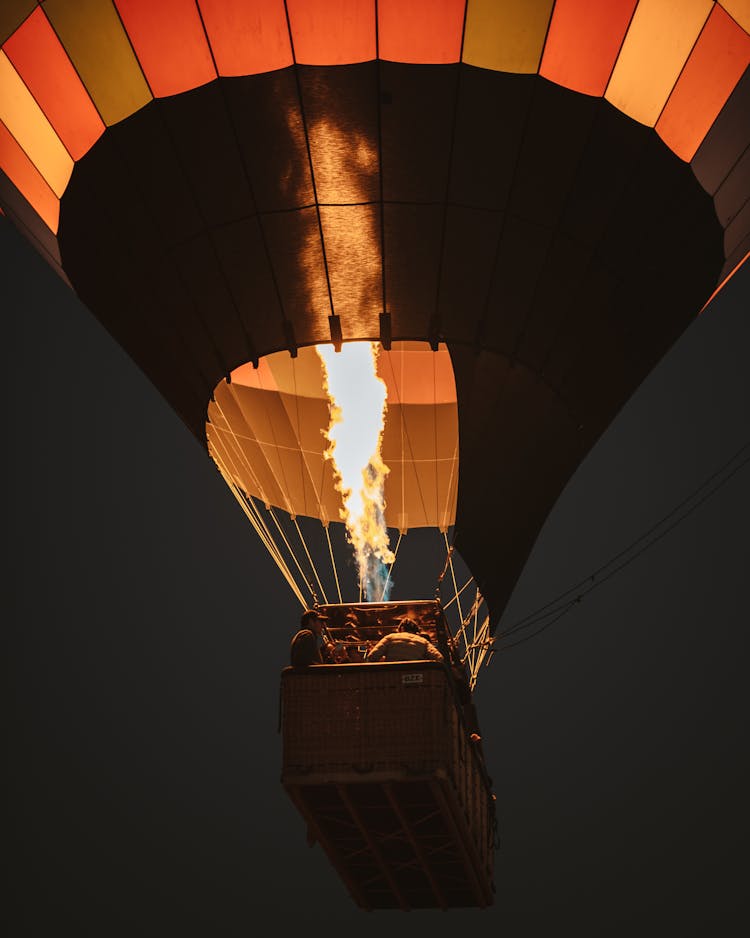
{"points": [[522, 204]]}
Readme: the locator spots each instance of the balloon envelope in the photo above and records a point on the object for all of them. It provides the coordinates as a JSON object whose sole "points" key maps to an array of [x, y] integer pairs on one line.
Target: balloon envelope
{"points": [[552, 192]]}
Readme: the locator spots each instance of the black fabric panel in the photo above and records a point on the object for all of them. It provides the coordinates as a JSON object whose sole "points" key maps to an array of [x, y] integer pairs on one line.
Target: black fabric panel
{"points": [[266, 116], [416, 125], [582, 323], [12, 15], [120, 211], [471, 239], [341, 115], [152, 169], [605, 168], [554, 137], [513, 466], [176, 307], [241, 253], [31, 226], [197, 264], [522, 254], [297, 259], [737, 230], [727, 139], [555, 292], [634, 239], [736, 258], [489, 130], [199, 126], [412, 262], [351, 234], [734, 192]]}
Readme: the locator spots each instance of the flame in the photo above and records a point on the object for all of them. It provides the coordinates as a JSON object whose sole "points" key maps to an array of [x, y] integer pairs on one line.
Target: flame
{"points": [[358, 406]]}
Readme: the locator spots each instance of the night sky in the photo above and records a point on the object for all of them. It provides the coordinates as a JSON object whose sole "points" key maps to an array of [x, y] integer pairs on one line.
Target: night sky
{"points": [[148, 630]]}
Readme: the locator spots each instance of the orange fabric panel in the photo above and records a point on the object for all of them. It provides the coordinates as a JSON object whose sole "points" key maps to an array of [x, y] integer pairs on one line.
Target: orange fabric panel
{"points": [[302, 375], [417, 377], [27, 179], [506, 35], [247, 38], [12, 14], [332, 32], [260, 377], [716, 64], [170, 43], [659, 40], [98, 47], [739, 10], [33, 132], [583, 41], [423, 31], [41, 61]]}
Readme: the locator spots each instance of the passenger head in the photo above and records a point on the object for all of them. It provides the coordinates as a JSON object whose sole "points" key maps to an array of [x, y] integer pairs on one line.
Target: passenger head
{"points": [[409, 625], [314, 620]]}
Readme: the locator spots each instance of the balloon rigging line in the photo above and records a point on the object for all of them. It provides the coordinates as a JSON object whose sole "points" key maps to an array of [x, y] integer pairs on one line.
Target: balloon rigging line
{"points": [[453, 598], [449, 492], [333, 562], [250, 511], [289, 548], [254, 515], [553, 607], [390, 568], [220, 440], [453, 575], [310, 560]]}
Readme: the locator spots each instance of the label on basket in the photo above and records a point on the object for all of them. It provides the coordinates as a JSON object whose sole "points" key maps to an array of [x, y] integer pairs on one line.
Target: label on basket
{"points": [[412, 678]]}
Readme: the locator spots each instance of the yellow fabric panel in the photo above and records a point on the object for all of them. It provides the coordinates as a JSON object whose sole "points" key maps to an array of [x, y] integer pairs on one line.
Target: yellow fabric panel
{"points": [[506, 35], [12, 14], [35, 135], [658, 42], [739, 10], [98, 46]]}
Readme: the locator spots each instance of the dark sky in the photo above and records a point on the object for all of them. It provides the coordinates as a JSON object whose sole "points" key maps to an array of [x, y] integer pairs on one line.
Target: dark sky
{"points": [[149, 629]]}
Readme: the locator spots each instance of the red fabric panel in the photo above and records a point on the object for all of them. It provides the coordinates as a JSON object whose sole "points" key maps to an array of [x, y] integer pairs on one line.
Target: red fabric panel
{"points": [[247, 39], [716, 64], [423, 31], [584, 41], [170, 43], [41, 61], [332, 32]]}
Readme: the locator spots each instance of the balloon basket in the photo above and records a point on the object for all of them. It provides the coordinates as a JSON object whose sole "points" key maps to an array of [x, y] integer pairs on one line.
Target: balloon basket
{"points": [[381, 766]]}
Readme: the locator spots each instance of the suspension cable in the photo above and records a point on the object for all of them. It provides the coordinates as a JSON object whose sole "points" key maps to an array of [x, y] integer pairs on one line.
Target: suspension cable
{"points": [[250, 511], [395, 554], [291, 552], [333, 562], [449, 550], [310, 560]]}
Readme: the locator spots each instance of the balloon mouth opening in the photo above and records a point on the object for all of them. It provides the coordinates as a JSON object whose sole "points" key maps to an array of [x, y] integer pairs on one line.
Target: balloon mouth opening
{"points": [[268, 430], [275, 432]]}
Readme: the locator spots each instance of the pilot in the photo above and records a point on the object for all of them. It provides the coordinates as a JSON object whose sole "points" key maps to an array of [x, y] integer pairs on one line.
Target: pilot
{"points": [[404, 645]]}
